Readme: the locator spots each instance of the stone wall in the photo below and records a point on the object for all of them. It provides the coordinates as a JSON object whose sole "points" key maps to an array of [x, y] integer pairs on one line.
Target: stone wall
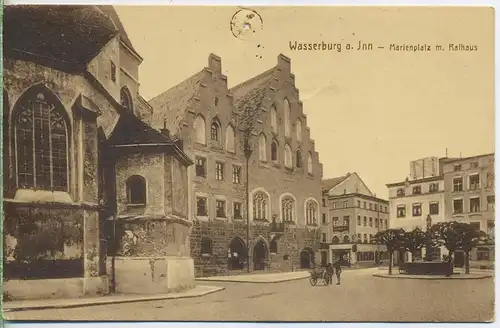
{"points": [[42, 243], [290, 244]]}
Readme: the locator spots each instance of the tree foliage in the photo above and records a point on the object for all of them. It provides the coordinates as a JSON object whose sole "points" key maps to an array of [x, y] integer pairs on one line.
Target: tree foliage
{"points": [[393, 239], [414, 240]]}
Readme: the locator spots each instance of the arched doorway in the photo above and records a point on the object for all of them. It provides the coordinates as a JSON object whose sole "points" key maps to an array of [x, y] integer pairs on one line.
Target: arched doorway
{"points": [[259, 255], [306, 258], [237, 254]]}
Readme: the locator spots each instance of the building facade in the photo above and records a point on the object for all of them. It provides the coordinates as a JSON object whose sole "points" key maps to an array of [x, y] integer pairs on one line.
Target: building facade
{"points": [[470, 197], [283, 175], [75, 152], [352, 216], [418, 197]]}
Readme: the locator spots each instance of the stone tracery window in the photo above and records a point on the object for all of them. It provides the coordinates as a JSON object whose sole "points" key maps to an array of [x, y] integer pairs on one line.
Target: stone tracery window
{"points": [[41, 141], [298, 128], [215, 130], [274, 151], [262, 147], [311, 212], [287, 209], [260, 203], [309, 163]]}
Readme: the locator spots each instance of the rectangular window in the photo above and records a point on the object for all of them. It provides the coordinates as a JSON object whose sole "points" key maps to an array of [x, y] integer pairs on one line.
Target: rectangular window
{"points": [[345, 204], [457, 168], [417, 209], [346, 220], [434, 208], [385, 209], [324, 218], [219, 171], [335, 221], [434, 187], [365, 238], [359, 220], [334, 205], [220, 206], [458, 206], [201, 206], [401, 211], [371, 222], [113, 72], [237, 210], [475, 205], [324, 202], [483, 254], [417, 190], [364, 204], [364, 221], [376, 223], [359, 237], [376, 207], [386, 225], [201, 168], [323, 238], [458, 184], [236, 174], [359, 203], [370, 206], [474, 182]]}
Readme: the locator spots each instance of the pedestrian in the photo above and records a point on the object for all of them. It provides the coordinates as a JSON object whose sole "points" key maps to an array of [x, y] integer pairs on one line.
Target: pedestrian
{"points": [[329, 274], [338, 271]]}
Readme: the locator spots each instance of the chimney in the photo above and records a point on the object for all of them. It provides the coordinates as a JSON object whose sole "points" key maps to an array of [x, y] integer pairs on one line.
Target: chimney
{"points": [[165, 131]]}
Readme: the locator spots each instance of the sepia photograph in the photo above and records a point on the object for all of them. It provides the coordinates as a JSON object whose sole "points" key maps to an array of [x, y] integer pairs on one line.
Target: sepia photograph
{"points": [[248, 164]]}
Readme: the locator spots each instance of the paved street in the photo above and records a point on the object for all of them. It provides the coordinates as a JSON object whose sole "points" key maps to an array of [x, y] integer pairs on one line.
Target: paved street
{"points": [[361, 297]]}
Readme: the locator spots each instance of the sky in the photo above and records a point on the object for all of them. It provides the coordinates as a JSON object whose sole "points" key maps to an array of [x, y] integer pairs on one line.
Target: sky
{"points": [[370, 112]]}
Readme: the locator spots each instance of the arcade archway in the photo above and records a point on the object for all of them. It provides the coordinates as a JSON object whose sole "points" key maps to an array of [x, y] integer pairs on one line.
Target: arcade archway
{"points": [[237, 254], [260, 254], [306, 258]]}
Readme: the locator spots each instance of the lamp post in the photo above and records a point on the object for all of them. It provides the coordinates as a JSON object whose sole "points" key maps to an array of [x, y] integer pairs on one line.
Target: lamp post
{"points": [[428, 247]]}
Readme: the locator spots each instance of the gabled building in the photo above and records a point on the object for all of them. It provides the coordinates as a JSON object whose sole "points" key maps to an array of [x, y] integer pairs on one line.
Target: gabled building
{"points": [[352, 216], [283, 175], [75, 153]]}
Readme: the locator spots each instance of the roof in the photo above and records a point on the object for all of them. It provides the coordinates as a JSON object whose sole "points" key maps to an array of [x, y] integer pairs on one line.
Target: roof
{"points": [[65, 33], [456, 159], [111, 13], [427, 179], [130, 130], [328, 184], [169, 108]]}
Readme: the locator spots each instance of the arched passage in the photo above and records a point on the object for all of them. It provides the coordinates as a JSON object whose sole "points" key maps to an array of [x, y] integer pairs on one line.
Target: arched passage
{"points": [[306, 258], [260, 254], [237, 254]]}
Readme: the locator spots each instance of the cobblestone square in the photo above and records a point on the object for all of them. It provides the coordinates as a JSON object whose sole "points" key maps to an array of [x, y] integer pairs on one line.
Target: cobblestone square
{"points": [[360, 297]]}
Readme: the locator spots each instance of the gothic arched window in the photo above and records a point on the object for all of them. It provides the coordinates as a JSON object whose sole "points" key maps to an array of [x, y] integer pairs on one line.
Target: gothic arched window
{"points": [[311, 212], [215, 130], [309, 163], [287, 115], [298, 128], [274, 119], [126, 99], [298, 158], [41, 141], [260, 202], [274, 151], [262, 147], [287, 209]]}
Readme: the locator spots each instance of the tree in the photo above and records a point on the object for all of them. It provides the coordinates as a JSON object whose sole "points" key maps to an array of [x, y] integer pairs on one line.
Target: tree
{"points": [[470, 238], [447, 234], [248, 110], [393, 239], [414, 241]]}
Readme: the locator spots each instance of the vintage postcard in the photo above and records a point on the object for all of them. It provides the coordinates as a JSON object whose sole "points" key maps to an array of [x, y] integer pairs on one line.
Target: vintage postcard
{"points": [[220, 163]]}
